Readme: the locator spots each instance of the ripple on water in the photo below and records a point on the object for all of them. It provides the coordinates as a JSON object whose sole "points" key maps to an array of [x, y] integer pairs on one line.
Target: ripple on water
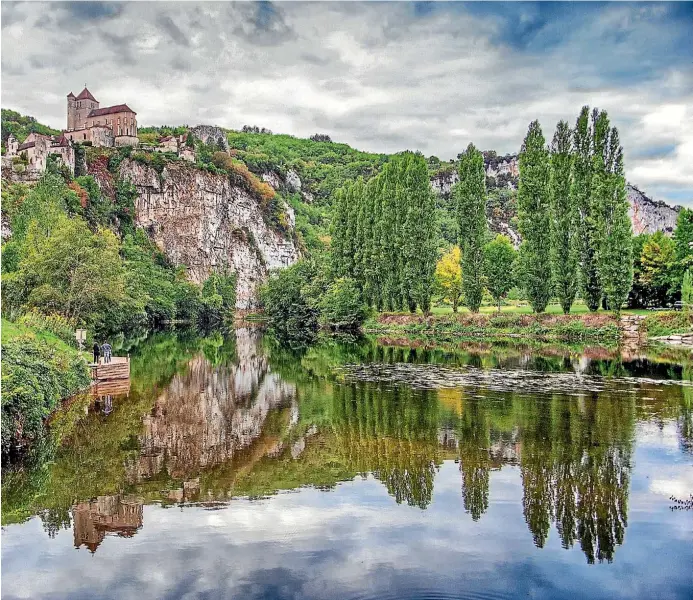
{"points": [[440, 376]]}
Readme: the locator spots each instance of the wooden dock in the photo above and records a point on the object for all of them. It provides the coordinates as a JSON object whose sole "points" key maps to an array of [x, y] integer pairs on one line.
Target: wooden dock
{"points": [[118, 368]]}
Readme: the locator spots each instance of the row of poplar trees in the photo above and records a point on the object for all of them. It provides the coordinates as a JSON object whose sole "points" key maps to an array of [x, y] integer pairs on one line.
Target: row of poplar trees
{"points": [[384, 235], [573, 215], [572, 210]]}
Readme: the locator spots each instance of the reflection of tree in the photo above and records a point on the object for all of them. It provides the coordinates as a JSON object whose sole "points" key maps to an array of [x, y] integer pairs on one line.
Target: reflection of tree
{"points": [[686, 419], [475, 462], [536, 469], [391, 433], [576, 462]]}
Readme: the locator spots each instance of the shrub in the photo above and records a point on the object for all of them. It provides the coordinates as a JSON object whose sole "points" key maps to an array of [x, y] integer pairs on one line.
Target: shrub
{"points": [[36, 375], [342, 306], [56, 324], [289, 298]]}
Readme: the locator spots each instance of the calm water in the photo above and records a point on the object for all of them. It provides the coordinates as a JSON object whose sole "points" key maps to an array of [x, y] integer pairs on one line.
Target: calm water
{"points": [[235, 468]]}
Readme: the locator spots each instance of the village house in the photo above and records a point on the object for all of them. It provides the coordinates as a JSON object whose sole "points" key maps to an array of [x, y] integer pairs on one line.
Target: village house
{"points": [[37, 147]]}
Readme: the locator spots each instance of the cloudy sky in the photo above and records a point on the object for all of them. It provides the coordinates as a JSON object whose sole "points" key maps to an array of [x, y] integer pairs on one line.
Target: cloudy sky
{"points": [[379, 76]]}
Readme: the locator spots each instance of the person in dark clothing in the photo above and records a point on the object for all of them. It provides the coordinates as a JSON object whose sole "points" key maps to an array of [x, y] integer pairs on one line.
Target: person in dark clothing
{"points": [[97, 353]]}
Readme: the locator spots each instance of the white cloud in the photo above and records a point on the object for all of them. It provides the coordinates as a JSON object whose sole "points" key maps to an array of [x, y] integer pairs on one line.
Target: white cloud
{"points": [[377, 75]]}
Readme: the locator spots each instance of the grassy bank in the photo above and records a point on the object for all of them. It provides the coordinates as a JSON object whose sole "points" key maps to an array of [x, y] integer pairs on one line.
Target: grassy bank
{"points": [[599, 327], [39, 369]]}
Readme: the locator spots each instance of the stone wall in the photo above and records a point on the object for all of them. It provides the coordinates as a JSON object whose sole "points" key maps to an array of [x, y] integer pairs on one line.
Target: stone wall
{"points": [[200, 220]]}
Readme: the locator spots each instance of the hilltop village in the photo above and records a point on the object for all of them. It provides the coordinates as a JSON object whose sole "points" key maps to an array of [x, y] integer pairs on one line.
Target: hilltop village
{"points": [[87, 124]]}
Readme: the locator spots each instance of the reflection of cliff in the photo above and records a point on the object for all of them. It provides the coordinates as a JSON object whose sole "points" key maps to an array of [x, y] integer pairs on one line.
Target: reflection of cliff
{"points": [[115, 515], [209, 413]]}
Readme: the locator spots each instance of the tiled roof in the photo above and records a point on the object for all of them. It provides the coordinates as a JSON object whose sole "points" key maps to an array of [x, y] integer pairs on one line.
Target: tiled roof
{"points": [[26, 145], [85, 94], [109, 110], [61, 141], [166, 138], [70, 95]]}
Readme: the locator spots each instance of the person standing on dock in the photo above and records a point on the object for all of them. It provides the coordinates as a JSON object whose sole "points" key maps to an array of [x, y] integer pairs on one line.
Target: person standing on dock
{"points": [[106, 349], [97, 353]]}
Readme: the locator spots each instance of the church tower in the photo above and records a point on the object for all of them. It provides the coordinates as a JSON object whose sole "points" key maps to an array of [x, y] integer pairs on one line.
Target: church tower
{"points": [[78, 109], [71, 111]]}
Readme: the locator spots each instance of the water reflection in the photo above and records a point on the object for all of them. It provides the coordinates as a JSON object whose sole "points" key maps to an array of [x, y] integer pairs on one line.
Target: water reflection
{"points": [[207, 420]]}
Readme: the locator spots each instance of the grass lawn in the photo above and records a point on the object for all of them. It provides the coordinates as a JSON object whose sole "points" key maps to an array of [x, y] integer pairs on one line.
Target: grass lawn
{"points": [[552, 309], [12, 330]]}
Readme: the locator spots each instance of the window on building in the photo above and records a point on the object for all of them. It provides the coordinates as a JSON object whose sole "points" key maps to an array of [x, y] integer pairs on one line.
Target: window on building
{"points": [[85, 136]]}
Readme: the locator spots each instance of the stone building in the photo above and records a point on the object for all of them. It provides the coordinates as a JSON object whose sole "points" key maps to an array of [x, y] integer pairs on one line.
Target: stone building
{"points": [[108, 126], [37, 147]]}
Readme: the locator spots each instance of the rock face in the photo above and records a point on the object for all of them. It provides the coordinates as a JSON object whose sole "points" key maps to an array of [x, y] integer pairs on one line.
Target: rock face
{"points": [[200, 220], [209, 134], [649, 216]]}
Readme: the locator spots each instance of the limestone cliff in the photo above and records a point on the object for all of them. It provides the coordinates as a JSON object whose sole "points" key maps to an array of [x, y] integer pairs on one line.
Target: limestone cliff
{"points": [[203, 221], [647, 215]]}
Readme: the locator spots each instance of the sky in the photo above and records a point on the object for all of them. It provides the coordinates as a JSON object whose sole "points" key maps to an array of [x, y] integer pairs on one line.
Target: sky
{"points": [[382, 77]]}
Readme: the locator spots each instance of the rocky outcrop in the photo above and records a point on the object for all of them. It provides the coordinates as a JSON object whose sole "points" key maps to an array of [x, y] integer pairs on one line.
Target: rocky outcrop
{"points": [[204, 222], [209, 134], [649, 216]]}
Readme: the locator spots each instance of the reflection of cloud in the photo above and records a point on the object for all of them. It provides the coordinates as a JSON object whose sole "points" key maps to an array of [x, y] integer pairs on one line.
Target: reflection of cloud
{"points": [[681, 488], [351, 541], [380, 76]]}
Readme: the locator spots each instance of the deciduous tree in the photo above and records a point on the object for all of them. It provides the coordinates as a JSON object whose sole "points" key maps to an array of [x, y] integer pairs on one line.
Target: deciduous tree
{"points": [[533, 203], [470, 193], [499, 257]]}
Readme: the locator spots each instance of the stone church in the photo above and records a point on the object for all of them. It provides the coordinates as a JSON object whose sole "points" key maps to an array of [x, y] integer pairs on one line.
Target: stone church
{"points": [[108, 126]]}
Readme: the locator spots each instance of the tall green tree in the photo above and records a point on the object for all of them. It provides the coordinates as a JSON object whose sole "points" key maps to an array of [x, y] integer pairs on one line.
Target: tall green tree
{"points": [[470, 193], [419, 247], [564, 258], [615, 230], [499, 256], [581, 192], [533, 203], [683, 240]]}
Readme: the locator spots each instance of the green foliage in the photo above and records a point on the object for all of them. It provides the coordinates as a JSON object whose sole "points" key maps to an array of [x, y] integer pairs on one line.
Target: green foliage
{"points": [[449, 277], [499, 262], [35, 376], [687, 290], [581, 192], [564, 221], [21, 126], [323, 167], [290, 300], [655, 278], [533, 203], [614, 254], [70, 271], [470, 194], [667, 323], [341, 306], [58, 325], [219, 296], [683, 241]]}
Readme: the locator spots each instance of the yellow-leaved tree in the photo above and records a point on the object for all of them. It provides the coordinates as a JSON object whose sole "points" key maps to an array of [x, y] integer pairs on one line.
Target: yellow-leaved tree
{"points": [[449, 277]]}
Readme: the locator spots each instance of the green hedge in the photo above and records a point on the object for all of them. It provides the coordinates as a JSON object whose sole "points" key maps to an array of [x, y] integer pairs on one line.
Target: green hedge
{"points": [[36, 375]]}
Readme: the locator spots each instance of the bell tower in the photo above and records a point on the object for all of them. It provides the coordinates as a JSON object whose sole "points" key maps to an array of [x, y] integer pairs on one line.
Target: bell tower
{"points": [[71, 111]]}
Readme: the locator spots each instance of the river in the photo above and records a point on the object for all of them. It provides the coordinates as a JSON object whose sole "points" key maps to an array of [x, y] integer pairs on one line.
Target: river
{"points": [[235, 467]]}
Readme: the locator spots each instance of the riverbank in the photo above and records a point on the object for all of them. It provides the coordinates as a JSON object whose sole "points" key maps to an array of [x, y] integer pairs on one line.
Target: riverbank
{"points": [[39, 369], [598, 327]]}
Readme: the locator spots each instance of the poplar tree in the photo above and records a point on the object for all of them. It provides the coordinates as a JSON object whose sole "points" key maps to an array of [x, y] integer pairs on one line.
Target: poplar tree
{"points": [[419, 235], [499, 257], [581, 192], [533, 207], [390, 245], [470, 195], [615, 250], [564, 259], [338, 229]]}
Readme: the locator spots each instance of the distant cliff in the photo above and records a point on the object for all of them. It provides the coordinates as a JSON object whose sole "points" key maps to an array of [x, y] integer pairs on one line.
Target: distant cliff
{"points": [[203, 221], [647, 215]]}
